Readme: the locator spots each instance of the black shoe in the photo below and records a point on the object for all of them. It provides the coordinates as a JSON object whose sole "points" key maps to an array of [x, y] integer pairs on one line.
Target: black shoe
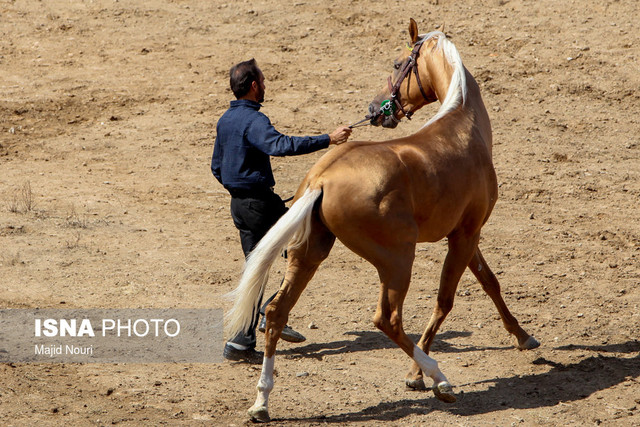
{"points": [[288, 334], [249, 355]]}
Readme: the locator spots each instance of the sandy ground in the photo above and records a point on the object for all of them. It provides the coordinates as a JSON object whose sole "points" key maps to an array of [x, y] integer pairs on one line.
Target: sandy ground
{"points": [[107, 121]]}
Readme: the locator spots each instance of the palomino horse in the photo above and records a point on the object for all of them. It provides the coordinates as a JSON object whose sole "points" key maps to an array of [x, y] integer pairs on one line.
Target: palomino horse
{"points": [[380, 199]]}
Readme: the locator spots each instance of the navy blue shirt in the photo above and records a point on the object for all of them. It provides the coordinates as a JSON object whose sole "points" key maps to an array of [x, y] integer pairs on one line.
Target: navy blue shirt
{"points": [[245, 139]]}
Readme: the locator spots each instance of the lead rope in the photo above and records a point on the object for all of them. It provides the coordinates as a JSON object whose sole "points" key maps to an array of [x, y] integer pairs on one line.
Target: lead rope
{"points": [[362, 122]]}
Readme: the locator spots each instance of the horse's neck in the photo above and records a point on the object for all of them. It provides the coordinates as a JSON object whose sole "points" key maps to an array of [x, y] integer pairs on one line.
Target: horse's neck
{"points": [[467, 123], [475, 105], [441, 75]]}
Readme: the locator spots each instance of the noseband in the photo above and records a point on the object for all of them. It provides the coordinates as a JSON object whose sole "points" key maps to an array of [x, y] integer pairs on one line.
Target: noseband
{"points": [[406, 71]]}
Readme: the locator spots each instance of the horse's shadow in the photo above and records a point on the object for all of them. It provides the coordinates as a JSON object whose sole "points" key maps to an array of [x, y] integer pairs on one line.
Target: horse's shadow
{"points": [[562, 383], [374, 340]]}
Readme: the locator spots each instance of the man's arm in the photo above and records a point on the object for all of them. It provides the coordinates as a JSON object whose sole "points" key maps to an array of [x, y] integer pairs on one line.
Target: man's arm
{"points": [[216, 161], [267, 139], [262, 135], [340, 135]]}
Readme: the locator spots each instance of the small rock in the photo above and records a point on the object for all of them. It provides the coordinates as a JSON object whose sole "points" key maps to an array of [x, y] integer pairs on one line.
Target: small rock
{"points": [[302, 374], [312, 326]]}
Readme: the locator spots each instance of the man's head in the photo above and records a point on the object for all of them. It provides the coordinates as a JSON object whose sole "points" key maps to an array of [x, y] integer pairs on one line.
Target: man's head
{"points": [[247, 81]]}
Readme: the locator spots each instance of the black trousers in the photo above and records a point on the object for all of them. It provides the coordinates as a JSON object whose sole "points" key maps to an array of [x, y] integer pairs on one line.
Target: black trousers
{"points": [[254, 213]]}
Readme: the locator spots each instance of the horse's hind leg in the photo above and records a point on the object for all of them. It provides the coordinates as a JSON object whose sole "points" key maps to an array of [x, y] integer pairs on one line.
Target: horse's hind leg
{"points": [[395, 274], [491, 286], [302, 264], [461, 249]]}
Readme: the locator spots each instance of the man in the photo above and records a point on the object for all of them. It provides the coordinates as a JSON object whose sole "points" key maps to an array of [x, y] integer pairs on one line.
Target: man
{"points": [[245, 139]]}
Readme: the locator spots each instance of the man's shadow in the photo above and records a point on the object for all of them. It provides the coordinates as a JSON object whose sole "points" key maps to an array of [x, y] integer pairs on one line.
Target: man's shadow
{"points": [[562, 383]]}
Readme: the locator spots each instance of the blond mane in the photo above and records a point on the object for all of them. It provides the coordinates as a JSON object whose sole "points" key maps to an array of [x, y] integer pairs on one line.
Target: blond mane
{"points": [[457, 93]]}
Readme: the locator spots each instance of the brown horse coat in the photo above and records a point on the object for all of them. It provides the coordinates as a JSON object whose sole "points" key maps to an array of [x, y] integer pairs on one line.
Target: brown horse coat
{"points": [[382, 198]]}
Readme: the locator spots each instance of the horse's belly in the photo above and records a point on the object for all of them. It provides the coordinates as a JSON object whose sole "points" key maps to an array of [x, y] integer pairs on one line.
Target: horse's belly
{"points": [[438, 223]]}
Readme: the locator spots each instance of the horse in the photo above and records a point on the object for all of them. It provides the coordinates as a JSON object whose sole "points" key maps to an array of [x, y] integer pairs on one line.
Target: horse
{"points": [[381, 199]]}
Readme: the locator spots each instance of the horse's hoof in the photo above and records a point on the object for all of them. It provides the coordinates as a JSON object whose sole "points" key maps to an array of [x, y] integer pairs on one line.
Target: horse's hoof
{"points": [[444, 392], [529, 344], [414, 384], [259, 414]]}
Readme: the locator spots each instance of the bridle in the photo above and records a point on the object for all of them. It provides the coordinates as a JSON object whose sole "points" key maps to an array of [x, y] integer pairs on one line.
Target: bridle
{"points": [[394, 88], [388, 107]]}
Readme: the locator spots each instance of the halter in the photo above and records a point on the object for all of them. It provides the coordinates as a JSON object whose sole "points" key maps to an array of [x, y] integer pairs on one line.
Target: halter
{"points": [[406, 71], [389, 106]]}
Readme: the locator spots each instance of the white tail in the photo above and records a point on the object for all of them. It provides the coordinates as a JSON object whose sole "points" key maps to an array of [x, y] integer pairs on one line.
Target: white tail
{"points": [[294, 226]]}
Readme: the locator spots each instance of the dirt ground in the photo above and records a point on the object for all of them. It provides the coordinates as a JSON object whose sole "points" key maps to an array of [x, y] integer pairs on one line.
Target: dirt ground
{"points": [[107, 120]]}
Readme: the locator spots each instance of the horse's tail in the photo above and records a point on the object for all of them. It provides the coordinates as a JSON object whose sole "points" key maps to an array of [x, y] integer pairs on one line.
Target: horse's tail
{"points": [[294, 227]]}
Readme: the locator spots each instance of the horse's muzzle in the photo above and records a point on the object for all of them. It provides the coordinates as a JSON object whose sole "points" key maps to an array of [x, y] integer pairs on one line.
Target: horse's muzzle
{"points": [[378, 118]]}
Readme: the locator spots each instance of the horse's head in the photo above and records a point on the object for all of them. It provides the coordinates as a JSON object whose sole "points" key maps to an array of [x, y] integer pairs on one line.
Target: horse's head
{"points": [[408, 88]]}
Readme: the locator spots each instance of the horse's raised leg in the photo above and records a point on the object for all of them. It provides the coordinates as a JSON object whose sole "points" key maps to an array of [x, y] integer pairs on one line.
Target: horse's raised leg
{"points": [[395, 274], [491, 286], [303, 263], [461, 249]]}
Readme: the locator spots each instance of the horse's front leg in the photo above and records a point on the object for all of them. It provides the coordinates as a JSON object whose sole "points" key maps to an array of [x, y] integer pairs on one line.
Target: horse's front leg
{"points": [[491, 286]]}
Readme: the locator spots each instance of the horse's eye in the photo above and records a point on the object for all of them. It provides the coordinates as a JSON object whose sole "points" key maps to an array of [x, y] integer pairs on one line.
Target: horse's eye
{"points": [[396, 65]]}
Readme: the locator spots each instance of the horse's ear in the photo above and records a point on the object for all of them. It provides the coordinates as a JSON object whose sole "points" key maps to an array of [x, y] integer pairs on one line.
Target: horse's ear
{"points": [[413, 30]]}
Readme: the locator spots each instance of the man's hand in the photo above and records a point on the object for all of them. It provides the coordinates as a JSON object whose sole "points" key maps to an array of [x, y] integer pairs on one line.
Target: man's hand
{"points": [[340, 135]]}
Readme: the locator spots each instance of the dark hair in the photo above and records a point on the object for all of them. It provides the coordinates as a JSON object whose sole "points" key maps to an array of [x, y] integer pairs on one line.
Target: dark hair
{"points": [[242, 75]]}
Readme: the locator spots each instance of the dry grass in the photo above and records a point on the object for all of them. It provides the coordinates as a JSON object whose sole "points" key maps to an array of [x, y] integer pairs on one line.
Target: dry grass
{"points": [[23, 200], [75, 219], [11, 259]]}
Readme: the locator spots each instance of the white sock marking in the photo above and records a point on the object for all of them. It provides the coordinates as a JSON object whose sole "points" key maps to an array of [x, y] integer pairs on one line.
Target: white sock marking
{"points": [[428, 365], [265, 384]]}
